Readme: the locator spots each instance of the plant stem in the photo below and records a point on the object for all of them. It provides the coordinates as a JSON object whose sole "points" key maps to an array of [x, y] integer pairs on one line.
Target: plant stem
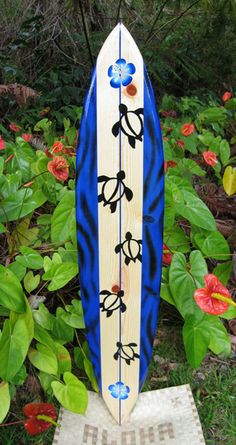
{"points": [[12, 423]]}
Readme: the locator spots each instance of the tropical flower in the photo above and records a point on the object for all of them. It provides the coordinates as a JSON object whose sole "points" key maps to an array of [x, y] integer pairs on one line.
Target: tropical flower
{"points": [[26, 137], [2, 143], [180, 143], [47, 153], [57, 147], [187, 129], [13, 127], [59, 168], [166, 255], [210, 158], [119, 391], [120, 73], [226, 96], [9, 158], [169, 164], [208, 298], [39, 417]]}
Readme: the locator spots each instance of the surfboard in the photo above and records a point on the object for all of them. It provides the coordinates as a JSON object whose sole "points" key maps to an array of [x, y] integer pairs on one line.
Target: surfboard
{"points": [[119, 213]]}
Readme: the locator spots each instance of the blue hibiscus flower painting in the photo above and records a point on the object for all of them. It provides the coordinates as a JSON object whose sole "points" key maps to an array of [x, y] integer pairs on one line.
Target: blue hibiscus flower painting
{"points": [[119, 391], [120, 73]]}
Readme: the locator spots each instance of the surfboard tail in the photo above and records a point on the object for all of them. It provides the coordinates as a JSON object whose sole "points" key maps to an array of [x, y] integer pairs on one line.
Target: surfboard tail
{"points": [[120, 215]]}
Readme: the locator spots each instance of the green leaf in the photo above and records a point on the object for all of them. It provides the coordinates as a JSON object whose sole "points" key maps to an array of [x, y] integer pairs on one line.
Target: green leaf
{"points": [[184, 280], [13, 348], [74, 316], [60, 330], [224, 151], [43, 317], [229, 180], [30, 258], [223, 272], [44, 359], [22, 235], [31, 281], [176, 240], [89, 371], [27, 318], [17, 269], [60, 275], [63, 227], [219, 337], [46, 380], [213, 114], [20, 204], [5, 400], [2, 227], [166, 293], [194, 210], [73, 395], [196, 336], [11, 292], [213, 246], [63, 358], [42, 336]]}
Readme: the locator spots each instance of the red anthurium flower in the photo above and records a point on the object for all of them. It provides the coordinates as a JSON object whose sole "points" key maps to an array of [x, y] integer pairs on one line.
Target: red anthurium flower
{"points": [[180, 143], [208, 298], [28, 184], [169, 164], [59, 168], [167, 255], [57, 147], [226, 96], [210, 158], [9, 158], [2, 143], [187, 129], [39, 417], [13, 127], [26, 137], [47, 153]]}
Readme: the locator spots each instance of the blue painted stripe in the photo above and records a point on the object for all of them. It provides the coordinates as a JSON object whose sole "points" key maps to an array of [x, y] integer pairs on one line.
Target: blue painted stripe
{"points": [[87, 225], [153, 205]]}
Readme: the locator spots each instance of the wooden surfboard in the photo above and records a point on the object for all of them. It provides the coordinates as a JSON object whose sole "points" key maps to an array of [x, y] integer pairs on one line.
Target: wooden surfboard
{"points": [[119, 194]]}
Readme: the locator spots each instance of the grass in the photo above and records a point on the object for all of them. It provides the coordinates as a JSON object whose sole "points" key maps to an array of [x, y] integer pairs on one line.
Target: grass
{"points": [[213, 387]]}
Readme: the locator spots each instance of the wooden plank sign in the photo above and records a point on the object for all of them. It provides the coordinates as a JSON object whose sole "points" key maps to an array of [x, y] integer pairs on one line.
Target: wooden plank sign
{"points": [[119, 219]]}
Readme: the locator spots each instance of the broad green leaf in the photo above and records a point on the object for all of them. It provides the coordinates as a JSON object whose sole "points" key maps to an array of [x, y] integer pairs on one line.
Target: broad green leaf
{"points": [[60, 275], [223, 271], [213, 115], [31, 281], [176, 239], [63, 358], [20, 376], [184, 279], [30, 258], [63, 227], [43, 317], [224, 151], [2, 227], [229, 180], [194, 210], [213, 246], [5, 400], [11, 292], [73, 395], [43, 336], [62, 332], [89, 371], [20, 204], [44, 359], [14, 345], [17, 269], [230, 313], [219, 337], [27, 318], [196, 336], [46, 380], [22, 235], [74, 316], [166, 293], [24, 156]]}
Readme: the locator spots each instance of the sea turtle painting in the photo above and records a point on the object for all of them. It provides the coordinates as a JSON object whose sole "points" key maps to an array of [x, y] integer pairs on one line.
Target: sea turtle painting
{"points": [[113, 189], [119, 213], [112, 301], [126, 352], [131, 249], [130, 123]]}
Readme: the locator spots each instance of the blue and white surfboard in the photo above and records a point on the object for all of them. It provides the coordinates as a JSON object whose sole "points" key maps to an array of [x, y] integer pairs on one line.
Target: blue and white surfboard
{"points": [[119, 193]]}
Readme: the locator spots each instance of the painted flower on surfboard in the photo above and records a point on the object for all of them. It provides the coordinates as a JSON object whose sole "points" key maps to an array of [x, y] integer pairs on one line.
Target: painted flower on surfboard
{"points": [[119, 391], [120, 73]]}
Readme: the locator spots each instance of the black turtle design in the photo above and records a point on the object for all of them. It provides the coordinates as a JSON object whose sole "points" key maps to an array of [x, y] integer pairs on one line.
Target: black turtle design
{"points": [[130, 123], [113, 189], [112, 302], [131, 248], [126, 352]]}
